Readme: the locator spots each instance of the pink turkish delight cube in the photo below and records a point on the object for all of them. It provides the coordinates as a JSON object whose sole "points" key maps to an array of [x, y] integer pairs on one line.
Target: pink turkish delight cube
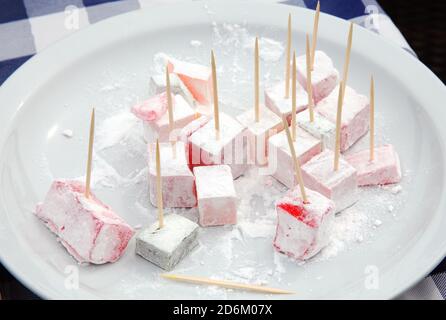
{"points": [[216, 195], [197, 78], [155, 117], [303, 228], [229, 149], [276, 101], [259, 132], [355, 115], [281, 163], [324, 76], [383, 169], [89, 230], [178, 182], [340, 185], [187, 131]]}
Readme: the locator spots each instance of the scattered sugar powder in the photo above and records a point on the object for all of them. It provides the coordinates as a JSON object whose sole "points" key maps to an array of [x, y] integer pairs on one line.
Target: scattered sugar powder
{"points": [[257, 229], [115, 129], [270, 50], [102, 174], [110, 87], [195, 43], [349, 226], [396, 189], [68, 133]]}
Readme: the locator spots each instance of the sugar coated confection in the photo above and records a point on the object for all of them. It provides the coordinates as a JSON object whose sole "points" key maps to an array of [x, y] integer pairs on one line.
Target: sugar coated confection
{"points": [[280, 160], [229, 148], [383, 169], [276, 101], [355, 115], [177, 180], [157, 85], [303, 228], [197, 78], [188, 130], [338, 185], [159, 128], [217, 200], [324, 76], [89, 230], [153, 108], [320, 128], [167, 246], [259, 132]]}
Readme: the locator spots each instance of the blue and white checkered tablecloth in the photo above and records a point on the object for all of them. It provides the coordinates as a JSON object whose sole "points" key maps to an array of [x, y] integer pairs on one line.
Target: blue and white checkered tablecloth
{"points": [[29, 26]]}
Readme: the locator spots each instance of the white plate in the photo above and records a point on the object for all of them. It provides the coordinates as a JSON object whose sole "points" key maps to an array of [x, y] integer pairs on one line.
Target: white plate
{"points": [[108, 64]]}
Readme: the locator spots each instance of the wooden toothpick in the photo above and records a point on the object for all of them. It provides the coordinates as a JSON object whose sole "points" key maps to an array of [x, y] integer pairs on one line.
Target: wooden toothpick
{"points": [[215, 93], [296, 161], [315, 29], [293, 98], [225, 284], [159, 191], [287, 62], [372, 119], [309, 82], [90, 154], [347, 58], [170, 110], [256, 82], [338, 128]]}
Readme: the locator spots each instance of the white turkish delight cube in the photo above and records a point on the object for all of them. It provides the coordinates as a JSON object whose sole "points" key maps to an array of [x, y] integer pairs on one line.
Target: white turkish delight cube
{"points": [[340, 185], [229, 148], [90, 230], [320, 128], [177, 180], [281, 163], [303, 227], [324, 76], [276, 101], [217, 200], [157, 85], [355, 115], [167, 246], [259, 132]]}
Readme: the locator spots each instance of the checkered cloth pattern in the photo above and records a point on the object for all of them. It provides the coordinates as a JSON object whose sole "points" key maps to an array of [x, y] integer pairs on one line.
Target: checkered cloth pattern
{"points": [[29, 26]]}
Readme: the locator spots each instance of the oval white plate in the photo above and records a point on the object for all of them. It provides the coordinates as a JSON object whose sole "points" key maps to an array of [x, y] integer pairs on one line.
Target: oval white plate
{"points": [[108, 65]]}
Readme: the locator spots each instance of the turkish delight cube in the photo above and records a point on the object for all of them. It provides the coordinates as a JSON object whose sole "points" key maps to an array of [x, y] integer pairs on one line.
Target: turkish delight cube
{"points": [[276, 101], [159, 129], [280, 160], [229, 148], [196, 77], [259, 132], [303, 227], [355, 115], [340, 185], [217, 200], [177, 180], [90, 230], [324, 76], [320, 128], [383, 169], [157, 85], [167, 246]]}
